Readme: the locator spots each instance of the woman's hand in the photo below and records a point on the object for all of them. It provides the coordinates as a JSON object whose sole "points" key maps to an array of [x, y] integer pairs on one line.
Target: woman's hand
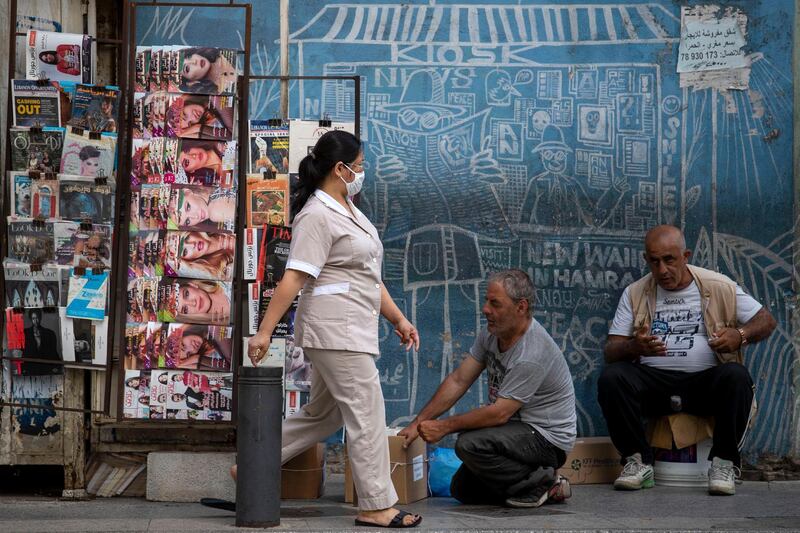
{"points": [[408, 334], [258, 346]]}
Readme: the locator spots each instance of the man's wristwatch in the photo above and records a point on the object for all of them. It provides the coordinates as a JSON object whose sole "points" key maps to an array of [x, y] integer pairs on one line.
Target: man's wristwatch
{"points": [[744, 338]]}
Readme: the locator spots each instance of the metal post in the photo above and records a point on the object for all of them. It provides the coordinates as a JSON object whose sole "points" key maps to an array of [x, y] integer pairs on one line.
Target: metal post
{"points": [[258, 447]]}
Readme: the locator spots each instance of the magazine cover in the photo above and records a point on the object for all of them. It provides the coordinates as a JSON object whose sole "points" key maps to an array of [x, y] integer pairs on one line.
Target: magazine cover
{"points": [[203, 70], [41, 339], [82, 199], [66, 91], [203, 162], [144, 162], [30, 241], [141, 81], [200, 395], [156, 345], [136, 394], [267, 200], [146, 251], [269, 148], [88, 294], [303, 135], [83, 341], [251, 245], [19, 184], [196, 254], [26, 288], [159, 388], [253, 301], [200, 116], [44, 195], [152, 206], [155, 68], [64, 235], [83, 156], [59, 56], [142, 299], [197, 208], [285, 327], [194, 301], [297, 371], [36, 150], [92, 248], [196, 346], [35, 105], [95, 108], [135, 347], [274, 254], [295, 399]]}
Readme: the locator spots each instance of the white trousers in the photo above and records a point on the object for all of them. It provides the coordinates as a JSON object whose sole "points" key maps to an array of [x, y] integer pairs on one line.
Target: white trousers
{"points": [[346, 388]]}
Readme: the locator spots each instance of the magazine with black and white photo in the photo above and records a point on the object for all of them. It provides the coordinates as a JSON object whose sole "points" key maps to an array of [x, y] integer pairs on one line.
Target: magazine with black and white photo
{"points": [[41, 339], [269, 148], [81, 199], [36, 150], [31, 241], [64, 234], [19, 191], [83, 341], [58, 56], [35, 105], [95, 108], [26, 288], [274, 254], [303, 135], [200, 255]]}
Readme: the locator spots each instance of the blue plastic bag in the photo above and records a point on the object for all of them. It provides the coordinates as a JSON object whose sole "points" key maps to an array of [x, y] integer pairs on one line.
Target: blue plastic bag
{"points": [[442, 465]]}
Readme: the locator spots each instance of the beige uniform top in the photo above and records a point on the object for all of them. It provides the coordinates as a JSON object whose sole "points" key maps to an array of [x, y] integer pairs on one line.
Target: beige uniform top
{"points": [[341, 301]]}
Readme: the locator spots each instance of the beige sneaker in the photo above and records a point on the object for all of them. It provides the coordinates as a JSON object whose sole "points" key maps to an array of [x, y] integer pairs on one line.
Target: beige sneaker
{"points": [[635, 475], [722, 477]]}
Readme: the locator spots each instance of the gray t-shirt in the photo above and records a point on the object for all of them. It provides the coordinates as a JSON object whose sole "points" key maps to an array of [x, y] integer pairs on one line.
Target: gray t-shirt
{"points": [[535, 373]]}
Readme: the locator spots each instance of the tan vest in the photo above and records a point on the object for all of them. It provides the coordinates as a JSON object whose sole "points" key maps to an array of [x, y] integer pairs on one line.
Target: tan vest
{"points": [[717, 299]]}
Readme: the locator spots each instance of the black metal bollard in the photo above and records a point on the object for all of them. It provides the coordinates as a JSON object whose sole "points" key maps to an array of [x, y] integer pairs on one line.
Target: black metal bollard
{"points": [[258, 447]]}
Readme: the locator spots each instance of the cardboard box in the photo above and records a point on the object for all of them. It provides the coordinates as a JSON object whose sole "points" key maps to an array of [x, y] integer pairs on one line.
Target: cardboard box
{"points": [[592, 460], [303, 477], [409, 472]]}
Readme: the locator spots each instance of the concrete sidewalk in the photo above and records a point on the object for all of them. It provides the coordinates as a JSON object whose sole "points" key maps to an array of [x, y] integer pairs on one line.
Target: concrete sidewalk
{"points": [[762, 506]]}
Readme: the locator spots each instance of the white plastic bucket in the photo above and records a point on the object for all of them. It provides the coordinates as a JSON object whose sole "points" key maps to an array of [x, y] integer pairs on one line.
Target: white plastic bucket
{"points": [[687, 467]]}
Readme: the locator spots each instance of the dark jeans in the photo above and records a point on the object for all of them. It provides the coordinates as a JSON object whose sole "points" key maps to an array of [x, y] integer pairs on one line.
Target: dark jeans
{"points": [[498, 461], [630, 392]]}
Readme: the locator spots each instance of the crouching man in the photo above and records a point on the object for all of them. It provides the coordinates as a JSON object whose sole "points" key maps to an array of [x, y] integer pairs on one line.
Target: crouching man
{"points": [[512, 447], [676, 344]]}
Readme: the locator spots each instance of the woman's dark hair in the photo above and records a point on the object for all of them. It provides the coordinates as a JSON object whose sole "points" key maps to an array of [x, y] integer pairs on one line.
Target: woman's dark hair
{"points": [[332, 147], [88, 152], [211, 54], [48, 52]]}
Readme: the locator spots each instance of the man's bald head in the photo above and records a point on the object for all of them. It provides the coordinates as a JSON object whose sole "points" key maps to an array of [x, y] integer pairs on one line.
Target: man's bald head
{"points": [[665, 235], [666, 255]]}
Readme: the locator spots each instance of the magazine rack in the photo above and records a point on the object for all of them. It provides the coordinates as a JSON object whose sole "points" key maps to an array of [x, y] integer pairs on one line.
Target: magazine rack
{"points": [[119, 45], [239, 290]]}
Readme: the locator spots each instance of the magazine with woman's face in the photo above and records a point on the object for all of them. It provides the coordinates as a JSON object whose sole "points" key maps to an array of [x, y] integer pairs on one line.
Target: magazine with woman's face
{"points": [[84, 156], [194, 301], [200, 255], [58, 56], [198, 208], [199, 116]]}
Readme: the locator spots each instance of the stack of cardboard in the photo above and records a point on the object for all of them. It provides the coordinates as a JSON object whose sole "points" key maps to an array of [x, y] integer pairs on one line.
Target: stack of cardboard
{"points": [[592, 460]]}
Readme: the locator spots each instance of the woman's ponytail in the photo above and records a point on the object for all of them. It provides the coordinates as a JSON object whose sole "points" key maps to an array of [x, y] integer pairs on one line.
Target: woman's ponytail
{"points": [[331, 148]]}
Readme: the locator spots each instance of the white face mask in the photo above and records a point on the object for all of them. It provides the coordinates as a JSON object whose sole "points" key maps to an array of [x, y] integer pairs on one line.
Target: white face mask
{"points": [[354, 187]]}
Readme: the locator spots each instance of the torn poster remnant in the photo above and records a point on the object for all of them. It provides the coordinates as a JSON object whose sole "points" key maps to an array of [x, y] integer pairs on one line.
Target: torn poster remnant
{"points": [[711, 52]]}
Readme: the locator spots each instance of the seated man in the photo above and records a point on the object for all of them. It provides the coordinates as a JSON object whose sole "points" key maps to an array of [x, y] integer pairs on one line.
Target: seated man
{"points": [[512, 447], [675, 344]]}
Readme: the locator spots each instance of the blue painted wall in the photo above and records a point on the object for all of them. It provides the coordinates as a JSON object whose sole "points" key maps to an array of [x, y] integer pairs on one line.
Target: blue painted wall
{"points": [[459, 102]]}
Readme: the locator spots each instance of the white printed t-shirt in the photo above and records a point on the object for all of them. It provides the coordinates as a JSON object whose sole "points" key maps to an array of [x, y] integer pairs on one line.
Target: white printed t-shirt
{"points": [[678, 321]]}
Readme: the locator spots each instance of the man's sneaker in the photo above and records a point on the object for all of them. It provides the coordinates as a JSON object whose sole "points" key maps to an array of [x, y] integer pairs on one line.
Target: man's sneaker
{"points": [[555, 492], [635, 475], [722, 477]]}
